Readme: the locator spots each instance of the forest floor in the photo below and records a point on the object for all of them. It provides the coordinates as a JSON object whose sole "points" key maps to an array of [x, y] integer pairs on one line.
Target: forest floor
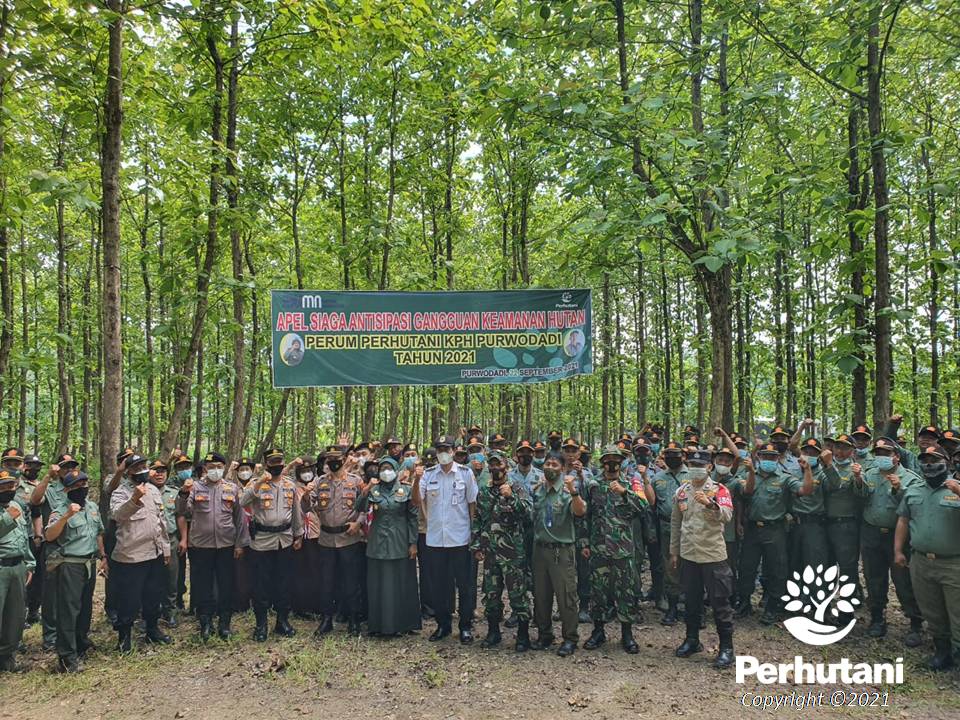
{"points": [[397, 679]]}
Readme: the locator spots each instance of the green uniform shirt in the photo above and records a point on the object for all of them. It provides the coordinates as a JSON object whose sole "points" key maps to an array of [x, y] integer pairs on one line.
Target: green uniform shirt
{"points": [[665, 485], [15, 537], [552, 514], [934, 517], [56, 495], [770, 495], [394, 526], [79, 537], [169, 495], [881, 503], [812, 504], [840, 495], [734, 484]]}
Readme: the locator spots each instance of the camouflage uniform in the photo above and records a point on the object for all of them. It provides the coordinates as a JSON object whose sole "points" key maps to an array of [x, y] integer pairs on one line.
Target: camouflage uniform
{"points": [[614, 578], [500, 527]]}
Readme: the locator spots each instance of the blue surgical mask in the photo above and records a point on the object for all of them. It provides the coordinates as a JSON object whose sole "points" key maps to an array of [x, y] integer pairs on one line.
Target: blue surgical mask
{"points": [[744, 453], [813, 460], [477, 457], [862, 452], [408, 463], [538, 462], [654, 448], [184, 474], [883, 463], [844, 462], [768, 466]]}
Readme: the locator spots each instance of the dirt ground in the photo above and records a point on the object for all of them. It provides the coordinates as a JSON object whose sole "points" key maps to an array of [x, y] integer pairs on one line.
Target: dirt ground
{"points": [[395, 679]]}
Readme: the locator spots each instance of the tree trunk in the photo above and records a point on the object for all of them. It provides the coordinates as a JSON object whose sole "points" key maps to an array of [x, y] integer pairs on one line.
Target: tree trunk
{"points": [[856, 197], [63, 382]]}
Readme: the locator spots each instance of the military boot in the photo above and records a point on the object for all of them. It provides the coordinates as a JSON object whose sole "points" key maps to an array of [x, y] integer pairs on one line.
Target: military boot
{"points": [[157, 636], [943, 655], [725, 656], [493, 637], [597, 638], [626, 639], [523, 636], [670, 617], [690, 645], [914, 638], [206, 628], [325, 626], [124, 639], [878, 625], [260, 631], [223, 630], [283, 626]]}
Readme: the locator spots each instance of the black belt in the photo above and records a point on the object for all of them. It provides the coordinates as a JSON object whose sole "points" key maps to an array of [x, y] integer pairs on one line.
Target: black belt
{"points": [[553, 545], [881, 530], [80, 557], [11, 562], [334, 529], [271, 528], [765, 523], [815, 518], [934, 556], [838, 520]]}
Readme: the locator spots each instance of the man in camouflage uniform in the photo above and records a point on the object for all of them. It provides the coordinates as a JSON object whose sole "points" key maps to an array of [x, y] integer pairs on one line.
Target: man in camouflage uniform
{"points": [[500, 527], [612, 508]]}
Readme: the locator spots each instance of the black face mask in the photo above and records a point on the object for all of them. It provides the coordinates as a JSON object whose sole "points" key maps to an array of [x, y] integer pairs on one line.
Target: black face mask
{"points": [[31, 473], [372, 472], [496, 473], [781, 447], [612, 466], [934, 473], [140, 477], [429, 462], [555, 444], [673, 462], [78, 496], [395, 454], [274, 470], [7, 496], [335, 465]]}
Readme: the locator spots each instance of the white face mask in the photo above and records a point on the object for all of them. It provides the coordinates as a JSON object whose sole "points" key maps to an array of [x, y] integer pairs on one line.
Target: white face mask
{"points": [[215, 474], [388, 475], [697, 473], [245, 474], [306, 476], [723, 470], [445, 458], [362, 458]]}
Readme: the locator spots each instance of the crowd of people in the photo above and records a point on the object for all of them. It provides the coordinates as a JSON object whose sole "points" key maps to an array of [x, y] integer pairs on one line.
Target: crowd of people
{"points": [[388, 536]]}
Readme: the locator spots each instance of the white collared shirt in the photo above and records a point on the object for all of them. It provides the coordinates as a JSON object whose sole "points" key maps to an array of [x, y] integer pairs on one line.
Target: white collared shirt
{"points": [[446, 498]]}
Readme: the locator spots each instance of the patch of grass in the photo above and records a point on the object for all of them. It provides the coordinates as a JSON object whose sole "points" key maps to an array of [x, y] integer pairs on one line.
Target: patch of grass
{"points": [[629, 695]]}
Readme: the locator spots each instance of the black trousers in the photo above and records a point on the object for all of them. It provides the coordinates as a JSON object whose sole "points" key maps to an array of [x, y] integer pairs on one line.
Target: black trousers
{"points": [[272, 572], [453, 567], [717, 579], [139, 587], [71, 586], [35, 586], [206, 566], [426, 578], [340, 573], [306, 578]]}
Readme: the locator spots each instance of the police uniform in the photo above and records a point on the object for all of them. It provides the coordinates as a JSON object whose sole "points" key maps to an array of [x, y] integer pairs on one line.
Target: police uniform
{"points": [[877, 530], [307, 587], [930, 515], [276, 533], [335, 499], [16, 561], [697, 540], [500, 529], [665, 485], [140, 555], [71, 564], [614, 576], [217, 530]]}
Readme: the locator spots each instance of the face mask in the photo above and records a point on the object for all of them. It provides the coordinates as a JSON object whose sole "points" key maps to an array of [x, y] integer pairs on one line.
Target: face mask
{"points": [[744, 453], [843, 462], [78, 496], [245, 474], [934, 473], [497, 474], [654, 448], [274, 470], [612, 467], [306, 476], [412, 459], [768, 466], [883, 463], [781, 447], [335, 465], [551, 474], [538, 462], [584, 459], [813, 460], [388, 475], [31, 473], [445, 458], [140, 477], [362, 458], [215, 474], [477, 457], [674, 462], [697, 473], [371, 472], [723, 470], [184, 474], [408, 463], [862, 452], [524, 460], [14, 472], [555, 444], [6, 497]]}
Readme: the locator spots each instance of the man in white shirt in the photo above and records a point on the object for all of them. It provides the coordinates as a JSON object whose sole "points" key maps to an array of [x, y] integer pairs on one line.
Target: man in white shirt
{"points": [[448, 496]]}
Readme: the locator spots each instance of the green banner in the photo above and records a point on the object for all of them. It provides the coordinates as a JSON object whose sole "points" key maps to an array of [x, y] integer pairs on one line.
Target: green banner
{"points": [[335, 338]]}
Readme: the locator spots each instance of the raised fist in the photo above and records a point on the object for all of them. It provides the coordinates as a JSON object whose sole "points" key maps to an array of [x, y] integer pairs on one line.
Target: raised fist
{"points": [[73, 509], [506, 491], [826, 457], [138, 492], [617, 487], [13, 510], [701, 497]]}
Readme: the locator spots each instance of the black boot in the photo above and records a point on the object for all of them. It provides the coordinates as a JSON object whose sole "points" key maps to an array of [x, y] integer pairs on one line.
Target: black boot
{"points": [[523, 636], [223, 630], [725, 655], [626, 638], [283, 626], [943, 655], [156, 636], [124, 639], [878, 625], [597, 638], [914, 638], [206, 628], [325, 626], [493, 637], [511, 621], [353, 625], [260, 631], [670, 617], [442, 631], [690, 645]]}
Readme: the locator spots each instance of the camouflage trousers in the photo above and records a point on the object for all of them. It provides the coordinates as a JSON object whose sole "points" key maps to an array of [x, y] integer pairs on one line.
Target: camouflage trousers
{"points": [[500, 574], [614, 590]]}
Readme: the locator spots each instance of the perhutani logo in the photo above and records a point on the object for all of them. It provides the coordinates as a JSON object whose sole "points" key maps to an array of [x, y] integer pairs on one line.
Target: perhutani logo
{"points": [[566, 297], [816, 590]]}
